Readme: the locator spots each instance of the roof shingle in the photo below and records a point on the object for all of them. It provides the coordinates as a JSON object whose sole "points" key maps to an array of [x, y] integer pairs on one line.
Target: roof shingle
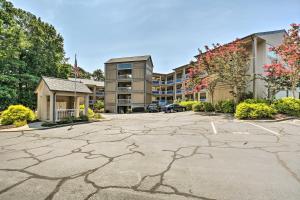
{"points": [[128, 59], [65, 85]]}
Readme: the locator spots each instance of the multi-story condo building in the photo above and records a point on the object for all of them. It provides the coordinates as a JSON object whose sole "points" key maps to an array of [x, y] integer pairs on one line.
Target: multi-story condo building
{"points": [[128, 83], [97, 88], [167, 88]]}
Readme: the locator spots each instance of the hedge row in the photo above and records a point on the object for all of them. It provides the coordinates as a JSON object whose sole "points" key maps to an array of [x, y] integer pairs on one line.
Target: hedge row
{"points": [[222, 106], [259, 109]]}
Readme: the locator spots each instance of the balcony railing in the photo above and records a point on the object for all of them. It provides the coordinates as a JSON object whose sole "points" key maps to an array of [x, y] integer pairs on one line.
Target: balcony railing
{"points": [[156, 92], [155, 82], [64, 113], [170, 82], [179, 80], [125, 76], [124, 101], [123, 66], [99, 93], [124, 89], [170, 92], [178, 91]]}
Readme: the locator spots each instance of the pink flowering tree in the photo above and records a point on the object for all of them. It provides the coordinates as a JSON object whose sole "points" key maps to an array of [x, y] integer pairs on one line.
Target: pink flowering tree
{"points": [[276, 77], [203, 74], [226, 64], [289, 55]]}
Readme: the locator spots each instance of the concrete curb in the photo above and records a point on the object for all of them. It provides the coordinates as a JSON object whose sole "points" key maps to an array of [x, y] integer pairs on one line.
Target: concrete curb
{"points": [[56, 126], [249, 120], [268, 120]]}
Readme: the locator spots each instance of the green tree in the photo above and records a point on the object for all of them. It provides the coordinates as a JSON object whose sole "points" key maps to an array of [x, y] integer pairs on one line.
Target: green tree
{"points": [[29, 49], [98, 75]]}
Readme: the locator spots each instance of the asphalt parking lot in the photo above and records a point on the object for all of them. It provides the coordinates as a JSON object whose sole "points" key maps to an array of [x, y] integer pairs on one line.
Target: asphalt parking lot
{"points": [[154, 156]]}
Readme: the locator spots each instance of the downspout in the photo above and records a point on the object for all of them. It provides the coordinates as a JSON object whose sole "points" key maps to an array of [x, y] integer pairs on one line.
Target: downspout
{"points": [[54, 106], [254, 55]]}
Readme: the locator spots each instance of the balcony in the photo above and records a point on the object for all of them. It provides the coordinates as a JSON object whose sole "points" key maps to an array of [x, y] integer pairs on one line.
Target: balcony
{"points": [[124, 101], [178, 91], [179, 80], [156, 92], [100, 94], [155, 82], [170, 92], [124, 89], [170, 82], [124, 76], [124, 66]]}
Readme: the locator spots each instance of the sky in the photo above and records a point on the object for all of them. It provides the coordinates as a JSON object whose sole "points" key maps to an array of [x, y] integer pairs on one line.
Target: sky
{"points": [[170, 31]]}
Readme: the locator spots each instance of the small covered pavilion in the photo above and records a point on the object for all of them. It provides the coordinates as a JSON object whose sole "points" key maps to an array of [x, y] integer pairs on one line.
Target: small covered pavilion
{"points": [[57, 99]]}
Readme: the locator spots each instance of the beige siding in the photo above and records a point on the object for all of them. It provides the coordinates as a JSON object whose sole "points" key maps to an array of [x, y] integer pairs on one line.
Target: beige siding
{"points": [[110, 98], [222, 93], [110, 109], [110, 86], [111, 71], [138, 73], [137, 98], [138, 85]]}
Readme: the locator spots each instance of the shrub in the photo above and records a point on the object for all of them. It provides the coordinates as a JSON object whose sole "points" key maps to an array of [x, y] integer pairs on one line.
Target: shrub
{"points": [[208, 107], [226, 106], [203, 107], [98, 116], [18, 115], [188, 104], [198, 107], [257, 101], [98, 105], [90, 111], [288, 105], [254, 111]]}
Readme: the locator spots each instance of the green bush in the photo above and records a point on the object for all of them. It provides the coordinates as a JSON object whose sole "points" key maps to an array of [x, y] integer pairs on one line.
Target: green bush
{"points": [[90, 111], [257, 101], [254, 111], [198, 107], [226, 106], [203, 107], [98, 116], [188, 104], [288, 105], [99, 105], [18, 115], [208, 107]]}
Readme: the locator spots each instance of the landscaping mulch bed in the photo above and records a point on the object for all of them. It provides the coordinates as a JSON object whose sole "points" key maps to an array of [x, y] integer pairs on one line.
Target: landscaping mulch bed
{"points": [[7, 126]]}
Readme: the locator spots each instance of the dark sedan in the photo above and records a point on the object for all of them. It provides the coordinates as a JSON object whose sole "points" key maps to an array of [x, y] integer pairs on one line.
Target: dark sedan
{"points": [[153, 108], [174, 108]]}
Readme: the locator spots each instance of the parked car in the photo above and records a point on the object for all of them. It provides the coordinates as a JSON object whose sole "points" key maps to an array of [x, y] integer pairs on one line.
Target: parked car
{"points": [[153, 108], [174, 108]]}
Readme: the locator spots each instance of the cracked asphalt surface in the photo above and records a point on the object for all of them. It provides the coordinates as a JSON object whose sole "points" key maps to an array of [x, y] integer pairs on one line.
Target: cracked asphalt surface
{"points": [[153, 156]]}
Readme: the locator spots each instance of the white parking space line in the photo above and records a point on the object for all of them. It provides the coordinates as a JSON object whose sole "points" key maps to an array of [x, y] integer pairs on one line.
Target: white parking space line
{"points": [[213, 127], [266, 129]]}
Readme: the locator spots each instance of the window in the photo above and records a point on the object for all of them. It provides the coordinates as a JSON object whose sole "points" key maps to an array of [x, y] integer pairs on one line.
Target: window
{"points": [[124, 66], [203, 96]]}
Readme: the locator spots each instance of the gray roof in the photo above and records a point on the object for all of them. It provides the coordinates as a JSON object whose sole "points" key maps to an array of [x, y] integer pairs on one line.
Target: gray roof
{"points": [[88, 82], [65, 85], [129, 59]]}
